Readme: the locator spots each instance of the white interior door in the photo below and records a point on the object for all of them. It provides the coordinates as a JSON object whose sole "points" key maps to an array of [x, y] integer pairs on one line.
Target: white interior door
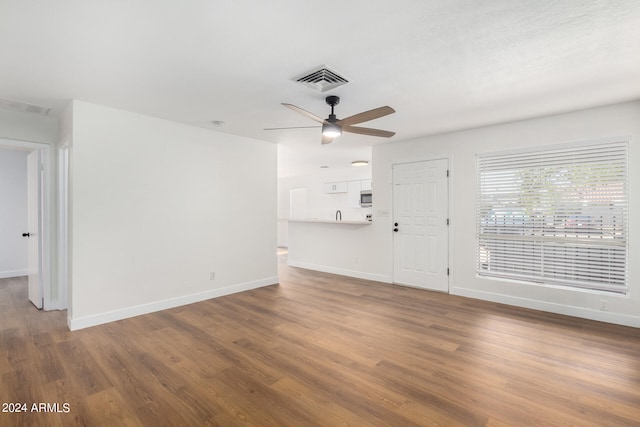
{"points": [[34, 222], [420, 211]]}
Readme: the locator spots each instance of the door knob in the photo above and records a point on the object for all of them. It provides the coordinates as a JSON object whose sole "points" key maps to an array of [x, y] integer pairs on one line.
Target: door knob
{"points": [[395, 229], [26, 234], [396, 224]]}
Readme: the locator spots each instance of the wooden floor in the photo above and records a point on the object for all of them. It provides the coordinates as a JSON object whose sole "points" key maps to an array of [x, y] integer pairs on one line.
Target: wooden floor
{"points": [[319, 350]]}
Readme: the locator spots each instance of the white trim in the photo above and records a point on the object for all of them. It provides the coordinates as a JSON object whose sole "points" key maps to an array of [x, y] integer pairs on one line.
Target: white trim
{"points": [[567, 310], [341, 271], [28, 145], [63, 224], [112, 316], [13, 273]]}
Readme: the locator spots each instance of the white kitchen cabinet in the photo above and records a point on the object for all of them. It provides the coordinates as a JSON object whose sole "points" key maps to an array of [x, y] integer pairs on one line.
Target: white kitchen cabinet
{"points": [[353, 193], [336, 187], [366, 184]]}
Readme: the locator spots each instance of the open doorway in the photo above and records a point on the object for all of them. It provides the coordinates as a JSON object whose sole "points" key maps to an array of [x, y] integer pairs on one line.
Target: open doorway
{"points": [[36, 231], [13, 213]]}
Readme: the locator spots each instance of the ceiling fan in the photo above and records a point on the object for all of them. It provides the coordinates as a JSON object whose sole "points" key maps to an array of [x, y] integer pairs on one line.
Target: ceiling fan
{"points": [[332, 127]]}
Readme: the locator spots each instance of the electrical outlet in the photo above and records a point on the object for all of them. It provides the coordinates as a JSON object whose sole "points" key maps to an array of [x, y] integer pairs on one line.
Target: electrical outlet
{"points": [[603, 305], [212, 276]]}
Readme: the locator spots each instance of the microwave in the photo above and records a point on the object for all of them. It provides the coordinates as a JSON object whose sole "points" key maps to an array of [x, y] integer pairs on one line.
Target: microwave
{"points": [[365, 198]]}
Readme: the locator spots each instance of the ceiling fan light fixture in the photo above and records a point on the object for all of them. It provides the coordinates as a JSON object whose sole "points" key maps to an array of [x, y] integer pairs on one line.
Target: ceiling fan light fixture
{"points": [[331, 130], [359, 163]]}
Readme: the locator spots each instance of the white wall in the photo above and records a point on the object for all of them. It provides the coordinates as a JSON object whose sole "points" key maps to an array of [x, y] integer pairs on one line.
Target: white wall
{"points": [[461, 148], [334, 248], [28, 127], [157, 206], [13, 212]]}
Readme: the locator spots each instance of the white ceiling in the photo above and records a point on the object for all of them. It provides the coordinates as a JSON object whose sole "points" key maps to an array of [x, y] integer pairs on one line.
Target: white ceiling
{"points": [[442, 64]]}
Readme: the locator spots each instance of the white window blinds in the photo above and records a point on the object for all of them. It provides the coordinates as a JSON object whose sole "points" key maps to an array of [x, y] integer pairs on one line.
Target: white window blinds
{"points": [[555, 216]]}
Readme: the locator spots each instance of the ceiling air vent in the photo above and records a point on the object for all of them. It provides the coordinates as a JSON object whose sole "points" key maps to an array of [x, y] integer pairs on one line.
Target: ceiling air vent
{"points": [[322, 79], [21, 107]]}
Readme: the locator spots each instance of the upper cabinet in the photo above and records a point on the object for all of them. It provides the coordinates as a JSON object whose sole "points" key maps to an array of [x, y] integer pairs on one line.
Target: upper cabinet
{"points": [[353, 196], [355, 187], [336, 187], [352, 188]]}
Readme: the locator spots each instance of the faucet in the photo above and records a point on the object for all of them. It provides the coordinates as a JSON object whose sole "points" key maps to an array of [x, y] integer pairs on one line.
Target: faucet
{"points": [[338, 214]]}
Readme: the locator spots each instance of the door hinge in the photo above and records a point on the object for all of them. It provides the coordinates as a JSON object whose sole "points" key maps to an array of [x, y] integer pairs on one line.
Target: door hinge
{"points": [[447, 271], [447, 173]]}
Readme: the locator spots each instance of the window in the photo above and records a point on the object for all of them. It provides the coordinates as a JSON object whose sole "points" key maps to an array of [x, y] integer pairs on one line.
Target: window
{"points": [[555, 216]]}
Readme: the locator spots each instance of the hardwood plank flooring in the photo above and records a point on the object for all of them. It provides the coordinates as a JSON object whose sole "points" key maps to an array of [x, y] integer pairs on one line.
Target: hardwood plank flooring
{"points": [[319, 350]]}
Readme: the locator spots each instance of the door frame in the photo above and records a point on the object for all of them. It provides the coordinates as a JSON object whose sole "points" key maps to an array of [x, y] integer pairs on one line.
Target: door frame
{"points": [[63, 206], [393, 254], [49, 303]]}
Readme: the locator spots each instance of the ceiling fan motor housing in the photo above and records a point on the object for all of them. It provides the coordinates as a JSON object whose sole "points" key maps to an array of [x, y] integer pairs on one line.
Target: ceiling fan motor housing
{"points": [[332, 100]]}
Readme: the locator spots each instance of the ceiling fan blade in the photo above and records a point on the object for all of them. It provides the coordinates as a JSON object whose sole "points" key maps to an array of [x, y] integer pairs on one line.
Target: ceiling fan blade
{"points": [[366, 116], [295, 127], [368, 131], [326, 140], [304, 112]]}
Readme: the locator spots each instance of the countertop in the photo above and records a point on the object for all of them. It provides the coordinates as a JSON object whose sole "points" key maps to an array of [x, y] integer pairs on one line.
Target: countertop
{"points": [[331, 221]]}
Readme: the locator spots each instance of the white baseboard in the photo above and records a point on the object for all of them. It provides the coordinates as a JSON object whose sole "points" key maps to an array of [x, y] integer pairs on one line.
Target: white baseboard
{"points": [[55, 304], [585, 313], [13, 273], [341, 271], [112, 316]]}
